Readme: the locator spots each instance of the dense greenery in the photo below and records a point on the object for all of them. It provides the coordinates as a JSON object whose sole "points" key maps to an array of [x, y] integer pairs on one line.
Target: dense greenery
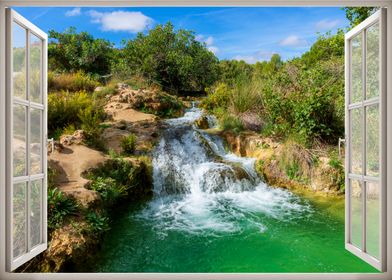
{"points": [[302, 98], [172, 58], [70, 51], [358, 14]]}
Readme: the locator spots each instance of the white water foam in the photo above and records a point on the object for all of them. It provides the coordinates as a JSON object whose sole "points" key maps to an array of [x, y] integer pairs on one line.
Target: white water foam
{"points": [[200, 188]]}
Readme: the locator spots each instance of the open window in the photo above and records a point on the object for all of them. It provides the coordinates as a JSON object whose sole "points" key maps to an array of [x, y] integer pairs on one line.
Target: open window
{"points": [[26, 140], [366, 140], [26, 137]]}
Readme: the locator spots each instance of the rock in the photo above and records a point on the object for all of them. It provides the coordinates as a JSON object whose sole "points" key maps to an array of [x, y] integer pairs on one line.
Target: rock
{"points": [[202, 122], [251, 121], [97, 89], [77, 138]]}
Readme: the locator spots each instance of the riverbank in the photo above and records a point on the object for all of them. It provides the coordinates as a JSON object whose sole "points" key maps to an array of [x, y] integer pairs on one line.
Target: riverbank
{"points": [[86, 184], [288, 164]]}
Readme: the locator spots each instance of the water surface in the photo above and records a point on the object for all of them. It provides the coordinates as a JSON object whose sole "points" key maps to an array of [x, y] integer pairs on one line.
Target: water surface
{"points": [[211, 213]]}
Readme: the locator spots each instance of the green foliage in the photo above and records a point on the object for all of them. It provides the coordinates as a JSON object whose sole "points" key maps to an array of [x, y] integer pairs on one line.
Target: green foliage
{"points": [[302, 98], [109, 190], [268, 68], [64, 108], [326, 47], [98, 223], [128, 144], [73, 111], [232, 71], [296, 161], [338, 175], [218, 97], [73, 82], [230, 122], [169, 106], [172, 58], [90, 119], [358, 14], [129, 178], [71, 52], [59, 207]]}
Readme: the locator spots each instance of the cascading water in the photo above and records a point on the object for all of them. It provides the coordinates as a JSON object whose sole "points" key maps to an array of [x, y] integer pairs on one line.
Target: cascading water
{"points": [[211, 213], [200, 188]]}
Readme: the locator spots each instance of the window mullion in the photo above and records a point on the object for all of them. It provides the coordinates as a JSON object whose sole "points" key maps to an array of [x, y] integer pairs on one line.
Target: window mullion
{"points": [[364, 159], [28, 136]]}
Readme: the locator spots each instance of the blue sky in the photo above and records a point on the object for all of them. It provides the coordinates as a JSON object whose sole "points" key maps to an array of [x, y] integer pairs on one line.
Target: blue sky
{"points": [[251, 34]]}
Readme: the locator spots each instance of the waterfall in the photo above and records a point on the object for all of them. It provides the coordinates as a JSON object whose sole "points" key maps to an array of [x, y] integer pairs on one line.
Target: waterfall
{"points": [[199, 186]]}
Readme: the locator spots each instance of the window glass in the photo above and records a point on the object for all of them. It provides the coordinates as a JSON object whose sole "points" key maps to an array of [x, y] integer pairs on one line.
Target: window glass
{"points": [[19, 60]]}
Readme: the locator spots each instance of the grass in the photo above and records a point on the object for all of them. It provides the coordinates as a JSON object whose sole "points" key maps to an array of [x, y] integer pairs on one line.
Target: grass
{"points": [[71, 82], [128, 144]]}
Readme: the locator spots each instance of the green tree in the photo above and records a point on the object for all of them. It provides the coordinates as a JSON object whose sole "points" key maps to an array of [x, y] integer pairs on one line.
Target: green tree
{"points": [[233, 70], [326, 47], [172, 58], [358, 14], [70, 51]]}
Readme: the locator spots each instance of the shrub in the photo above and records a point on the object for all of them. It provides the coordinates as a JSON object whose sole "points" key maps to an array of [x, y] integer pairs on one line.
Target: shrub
{"points": [[172, 58], [59, 207], [128, 144], [73, 82], [109, 190], [90, 122], [296, 161], [130, 179], [98, 223], [230, 122], [64, 108], [70, 51]]}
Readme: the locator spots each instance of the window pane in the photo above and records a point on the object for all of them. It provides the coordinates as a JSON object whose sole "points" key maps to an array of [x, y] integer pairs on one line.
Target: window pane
{"points": [[372, 140], [372, 61], [19, 60], [35, 69], [19, 219], [356, 140], [35, 213], [356, 68], [19, 140], [35, 141], [373, 219], [356, 213]]}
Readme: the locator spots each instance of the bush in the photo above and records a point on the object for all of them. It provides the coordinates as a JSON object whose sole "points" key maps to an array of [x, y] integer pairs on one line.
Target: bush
{"points": [[73, 82], [67, 109], [128, 144], [129, 179], [218, 97], [230, 122], [59, 207], [109, 190], [171, 58], [70, 51], [90, 122], [98, 223]]}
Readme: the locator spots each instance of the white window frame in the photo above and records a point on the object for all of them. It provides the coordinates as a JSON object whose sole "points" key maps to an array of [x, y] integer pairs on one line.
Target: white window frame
{"points": [[14, 17], [139, 3], [379, 17]]}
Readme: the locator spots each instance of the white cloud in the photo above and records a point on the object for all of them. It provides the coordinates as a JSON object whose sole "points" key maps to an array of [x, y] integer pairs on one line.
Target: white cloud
{"points": [[121, 21], [327, 24], [256, 57], [213, 49], [209, 41], [74, 12], [293, 41]]}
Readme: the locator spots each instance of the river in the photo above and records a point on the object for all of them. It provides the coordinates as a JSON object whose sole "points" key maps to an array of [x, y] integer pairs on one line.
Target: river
{"points": [[212, 213]]}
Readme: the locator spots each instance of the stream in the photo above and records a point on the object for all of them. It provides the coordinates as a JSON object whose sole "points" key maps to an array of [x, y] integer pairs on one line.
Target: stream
{"points": [[211, 213]]}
